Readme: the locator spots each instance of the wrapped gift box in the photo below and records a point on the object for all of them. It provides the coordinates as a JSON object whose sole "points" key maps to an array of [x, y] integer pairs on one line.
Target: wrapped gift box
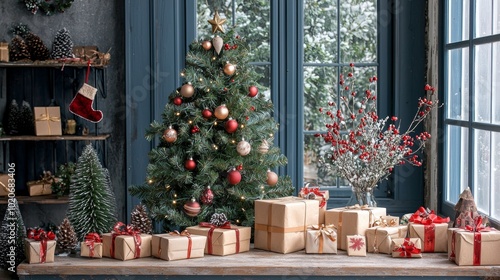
{"points": [[224, 241], [4, 52], [4, 185], [280, 224], [476, 248], [451, 237], [406, 248], [433, 236], [356, 245], [48, 121], [379, 238], [124, 247], [94, 252], [352, 221], [178, 246], [37, 188], [321, 240], [33, 248], [321, 196]]}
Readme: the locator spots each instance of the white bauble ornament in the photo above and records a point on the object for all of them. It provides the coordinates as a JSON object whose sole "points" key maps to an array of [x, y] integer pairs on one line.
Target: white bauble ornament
{"points": [[243, 148]]}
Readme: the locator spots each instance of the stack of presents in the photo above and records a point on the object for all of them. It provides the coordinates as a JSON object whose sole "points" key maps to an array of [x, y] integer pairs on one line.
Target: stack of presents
{"points": [[293, 224]]}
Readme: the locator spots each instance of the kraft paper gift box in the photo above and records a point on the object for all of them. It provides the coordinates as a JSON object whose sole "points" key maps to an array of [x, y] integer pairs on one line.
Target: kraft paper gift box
{"points": [[37, 188], [4, 184], [4, 52], [477, 248], [379, 238], [48, 121], [321, 240], [356, 245], [124, 247], [434, 237], [87, 251], [178, 246], [352, 221], [280, 224], [406, 248], [321, 196], [451, 237], [224, 241], [33, 249]]}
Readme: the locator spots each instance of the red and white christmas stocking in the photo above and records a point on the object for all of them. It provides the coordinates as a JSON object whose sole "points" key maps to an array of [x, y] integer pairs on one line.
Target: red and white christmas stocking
{"points": [[81, 105]]}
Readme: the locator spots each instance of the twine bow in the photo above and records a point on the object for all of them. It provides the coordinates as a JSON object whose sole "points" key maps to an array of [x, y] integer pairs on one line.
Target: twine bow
{"points": [[183, 233], [407, 249], [90, 240], [122, 229], [39, 234], [328, 231], [313, 193], [385, 223], [426, 217]]}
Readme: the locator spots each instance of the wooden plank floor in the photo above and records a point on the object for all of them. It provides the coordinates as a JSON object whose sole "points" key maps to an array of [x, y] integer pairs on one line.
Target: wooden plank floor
{"points": [[260, 263]]}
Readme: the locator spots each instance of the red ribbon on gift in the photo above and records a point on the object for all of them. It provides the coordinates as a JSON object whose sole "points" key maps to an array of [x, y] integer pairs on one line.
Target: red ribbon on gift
{"points": [[122, 229], [477, 228], [183, 233], [427, 217], [90, 240], [226, 225], [407, 249], [40, 235], [305, 191]]}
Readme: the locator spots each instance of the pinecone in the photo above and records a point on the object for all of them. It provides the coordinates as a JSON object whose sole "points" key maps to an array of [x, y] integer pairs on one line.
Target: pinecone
{"points": [[141, 220], [36, 47], [62, 46], [218, 219], [66, 236], [13, 117], [26, 120], [18, 50]]}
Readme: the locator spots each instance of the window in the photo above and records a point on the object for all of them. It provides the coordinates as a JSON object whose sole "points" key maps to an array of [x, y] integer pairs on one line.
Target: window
{"points": [[472, 104]]}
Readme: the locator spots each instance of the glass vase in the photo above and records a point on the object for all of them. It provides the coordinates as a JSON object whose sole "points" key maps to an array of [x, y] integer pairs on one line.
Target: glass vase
{"points": [[362, 196]]}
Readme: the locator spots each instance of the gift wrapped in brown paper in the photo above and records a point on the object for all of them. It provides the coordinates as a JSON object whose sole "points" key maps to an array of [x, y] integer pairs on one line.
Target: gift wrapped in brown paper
{"points": [[178, 246], [92, 246], [40, 251], [354, 220], [280, 224], [42, 186], [125, 243], [48, 121], [379, 238], [434, 237], [322, 196], [406, 248], [356, 245], [321, 240], [452, 236], [475, 245], [223, 240], [4, 52], [4, 185]]}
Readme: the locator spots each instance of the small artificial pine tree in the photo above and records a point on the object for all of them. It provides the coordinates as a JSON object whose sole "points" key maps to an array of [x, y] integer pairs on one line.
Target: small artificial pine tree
{"points": [[18, 50], [62, 47], [141, 220], [12, 121], [26, 120], [12, 244], [92, 205], [67, 239], [36, 47], [216, 142]]}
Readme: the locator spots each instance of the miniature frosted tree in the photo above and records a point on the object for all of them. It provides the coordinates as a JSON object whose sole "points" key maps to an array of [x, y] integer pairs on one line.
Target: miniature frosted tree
{"points": [[12, 223]]}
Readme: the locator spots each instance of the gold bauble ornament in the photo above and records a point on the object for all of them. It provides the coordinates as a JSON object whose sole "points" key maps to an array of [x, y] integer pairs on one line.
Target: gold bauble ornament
{"points": [[229, 69], [217, 23], [207, 45], [217, 42], [187, 90], [264, 147], [170, 135], [221, 112], [272, 178], [243, 148]]}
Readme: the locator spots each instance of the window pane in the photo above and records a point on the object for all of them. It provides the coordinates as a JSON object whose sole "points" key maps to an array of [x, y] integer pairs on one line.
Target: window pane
{"points": [[320, 86], [320, 31], [314, 171], [482, 169], [484, 14], [495, 178], [458, 20], [496, 83], [482, 83], [496, 17], [458, 84], [358, 30], [456, 163], [265, 80]]}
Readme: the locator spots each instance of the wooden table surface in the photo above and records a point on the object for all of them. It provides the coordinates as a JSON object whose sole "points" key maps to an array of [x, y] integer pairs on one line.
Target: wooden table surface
{"points": [[259, 263]]}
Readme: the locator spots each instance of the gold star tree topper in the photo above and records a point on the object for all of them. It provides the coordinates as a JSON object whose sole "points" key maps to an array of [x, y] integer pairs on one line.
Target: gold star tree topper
{"points": [[217, 23]]}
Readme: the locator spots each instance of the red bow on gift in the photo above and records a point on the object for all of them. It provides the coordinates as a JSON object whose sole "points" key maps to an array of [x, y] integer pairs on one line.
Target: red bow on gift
{"points": [[122, 229], [306, 191], [90, 240], [40, 235], [407, 249], [478, 225], [226, 225], [477, 228], [426, 217]]}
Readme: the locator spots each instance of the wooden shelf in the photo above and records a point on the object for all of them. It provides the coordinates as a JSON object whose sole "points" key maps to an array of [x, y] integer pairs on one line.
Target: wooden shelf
{"points": [[55, 138], [41, 199], [48, 64]]}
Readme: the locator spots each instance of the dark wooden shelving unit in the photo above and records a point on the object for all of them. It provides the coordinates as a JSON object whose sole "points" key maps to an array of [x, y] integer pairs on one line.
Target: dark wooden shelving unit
{"points": [[55, 138], [41, 199]]}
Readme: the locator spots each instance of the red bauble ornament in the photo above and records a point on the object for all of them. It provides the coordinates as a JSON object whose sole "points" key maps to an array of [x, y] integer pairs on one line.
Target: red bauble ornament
{"points": [[207, 197], [192, 208], [239, 167], [231, 126], [252, 91], [206, 113], [195, 129], [177, 101], [234, 177], [272, 178], [190, 164]]}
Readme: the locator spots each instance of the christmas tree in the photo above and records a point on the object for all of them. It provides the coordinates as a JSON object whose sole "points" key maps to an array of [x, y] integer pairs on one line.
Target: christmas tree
{"points": [[62, 47], [26, 119], [140, 219], [36, 47], [216, 140], [18, 50], [66, 236], [92, 205], [12, 235]]}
